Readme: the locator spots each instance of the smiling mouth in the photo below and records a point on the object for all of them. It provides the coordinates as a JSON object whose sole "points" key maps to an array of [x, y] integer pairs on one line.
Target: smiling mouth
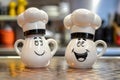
{"points": [[39, 54], [80, 56]]}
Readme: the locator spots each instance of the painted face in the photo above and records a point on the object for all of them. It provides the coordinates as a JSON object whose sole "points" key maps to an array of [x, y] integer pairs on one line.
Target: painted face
{"points": [[38, 42], [82, 53]]}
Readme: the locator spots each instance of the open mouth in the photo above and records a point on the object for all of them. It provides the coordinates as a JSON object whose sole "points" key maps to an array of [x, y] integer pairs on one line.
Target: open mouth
{"points": [[39, 54], [80, 56]]}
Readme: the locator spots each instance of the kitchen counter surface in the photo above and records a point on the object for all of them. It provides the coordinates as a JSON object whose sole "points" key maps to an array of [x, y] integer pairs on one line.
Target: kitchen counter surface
{"points": [[103, 69]]}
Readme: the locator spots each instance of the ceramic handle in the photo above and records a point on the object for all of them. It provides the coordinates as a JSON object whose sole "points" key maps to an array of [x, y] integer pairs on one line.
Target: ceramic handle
{"points": [[104, 47], [16, 46], [55, 45]]}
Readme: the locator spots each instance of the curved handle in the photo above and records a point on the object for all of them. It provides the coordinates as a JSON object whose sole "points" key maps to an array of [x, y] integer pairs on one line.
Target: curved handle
{"points": [[104, 47], [55, 45], [16, 46]]}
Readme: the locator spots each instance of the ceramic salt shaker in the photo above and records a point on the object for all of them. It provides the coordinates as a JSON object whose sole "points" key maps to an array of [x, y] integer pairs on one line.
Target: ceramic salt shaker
{"points": [[81, 51], [36, 51]]}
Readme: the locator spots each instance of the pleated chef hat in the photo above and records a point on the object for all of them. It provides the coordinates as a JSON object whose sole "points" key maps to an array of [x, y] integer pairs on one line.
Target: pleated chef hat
{"points": [[82, 20], [32, 19]]}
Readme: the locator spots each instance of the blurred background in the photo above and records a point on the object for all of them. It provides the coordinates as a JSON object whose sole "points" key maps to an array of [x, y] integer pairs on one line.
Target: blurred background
{"points": [[108, 10]]}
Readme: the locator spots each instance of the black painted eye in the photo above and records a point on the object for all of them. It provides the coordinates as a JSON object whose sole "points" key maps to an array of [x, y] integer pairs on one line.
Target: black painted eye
{"points": [[40, 38], [35, 37], [41, 42], [36, 43], [82, 43], [78, 44], [87, 50]]}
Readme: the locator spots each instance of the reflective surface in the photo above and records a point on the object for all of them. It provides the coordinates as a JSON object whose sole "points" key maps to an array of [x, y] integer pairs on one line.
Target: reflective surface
{"points": [[103, 69]]}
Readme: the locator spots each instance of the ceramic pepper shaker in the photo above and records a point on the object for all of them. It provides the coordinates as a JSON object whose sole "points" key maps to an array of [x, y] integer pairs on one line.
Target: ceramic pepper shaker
{"points": [[81, 51], [36, 51]]}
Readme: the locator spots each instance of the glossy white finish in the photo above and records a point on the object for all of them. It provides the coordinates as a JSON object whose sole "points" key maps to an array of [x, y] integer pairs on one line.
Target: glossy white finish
{"points": [[86, 29], [21, 20], [34, 25], [34, 14], [36, 51], [96, 22], [32, 18], [83, 54], [82, 17], [82, 20], [68, 22]]}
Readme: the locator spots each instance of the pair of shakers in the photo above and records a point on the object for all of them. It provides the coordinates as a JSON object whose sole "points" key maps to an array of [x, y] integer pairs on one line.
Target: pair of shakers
{"points": [[81, 51]]}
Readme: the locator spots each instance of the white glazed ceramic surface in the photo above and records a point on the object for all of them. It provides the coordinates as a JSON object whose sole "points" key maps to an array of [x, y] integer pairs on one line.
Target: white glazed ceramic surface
{"points": [[36, 51], [32, 18], [82, 20], [83, 53]]}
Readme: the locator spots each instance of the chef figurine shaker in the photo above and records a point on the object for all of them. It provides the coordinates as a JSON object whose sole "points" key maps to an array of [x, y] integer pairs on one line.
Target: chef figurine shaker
{"points": [[36, 51], [81, 51]]}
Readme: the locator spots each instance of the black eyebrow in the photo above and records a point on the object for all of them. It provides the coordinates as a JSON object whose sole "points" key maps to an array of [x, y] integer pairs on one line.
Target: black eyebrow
{"points": [[35, 37], [84, 39], [40, 38]]}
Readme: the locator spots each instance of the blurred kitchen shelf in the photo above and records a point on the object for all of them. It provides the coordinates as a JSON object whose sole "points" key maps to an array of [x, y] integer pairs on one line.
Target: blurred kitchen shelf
{"points": [[13, 18], [6, 49], [7, 18], [111, 51], [57, 18]]}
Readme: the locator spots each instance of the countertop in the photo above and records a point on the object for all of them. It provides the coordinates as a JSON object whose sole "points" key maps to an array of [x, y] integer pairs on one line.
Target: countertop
{"points": [[11, 68]]}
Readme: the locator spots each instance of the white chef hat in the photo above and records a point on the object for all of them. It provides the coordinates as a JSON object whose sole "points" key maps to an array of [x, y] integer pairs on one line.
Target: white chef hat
{"points": [[82, 20], [32, 19]]}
